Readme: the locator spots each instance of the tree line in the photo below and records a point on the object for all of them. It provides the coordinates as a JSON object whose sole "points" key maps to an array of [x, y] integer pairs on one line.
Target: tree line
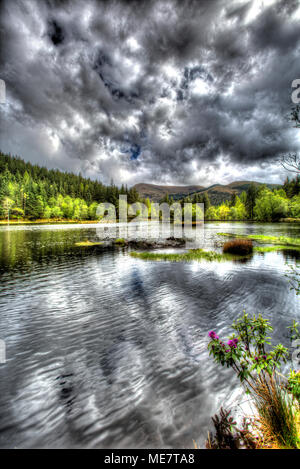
{"points": [[33, 192], [257, 203]]}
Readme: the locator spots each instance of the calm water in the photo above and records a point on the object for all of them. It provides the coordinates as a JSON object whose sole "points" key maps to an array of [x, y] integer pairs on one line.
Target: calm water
{"points": [[104, 350]]}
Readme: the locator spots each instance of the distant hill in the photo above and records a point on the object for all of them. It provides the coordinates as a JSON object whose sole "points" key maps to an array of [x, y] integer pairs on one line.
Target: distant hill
{"points": [[218, 193], [156, 192]]}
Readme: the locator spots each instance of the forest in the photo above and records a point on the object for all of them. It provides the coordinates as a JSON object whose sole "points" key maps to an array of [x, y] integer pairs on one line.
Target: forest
{"points": [[258, 203], [31, 192]]}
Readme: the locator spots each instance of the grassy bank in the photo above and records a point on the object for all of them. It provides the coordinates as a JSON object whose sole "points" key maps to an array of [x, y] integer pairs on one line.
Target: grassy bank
{"points": [[48, 221], [289, 220]]}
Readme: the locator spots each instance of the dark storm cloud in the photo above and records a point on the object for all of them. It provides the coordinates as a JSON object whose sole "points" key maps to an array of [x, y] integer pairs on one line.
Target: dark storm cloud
{"points": [[56, 33], [161, 91]]}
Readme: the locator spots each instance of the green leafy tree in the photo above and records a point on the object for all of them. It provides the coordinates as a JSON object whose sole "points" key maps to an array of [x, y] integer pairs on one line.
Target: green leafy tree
{"points": [[47, 212], [238, 211], [294, 206], [271, 206], [93, 211], [16, 212], [211, 213], [223, 212], [7, 204], [67, 207], [56, 212]]}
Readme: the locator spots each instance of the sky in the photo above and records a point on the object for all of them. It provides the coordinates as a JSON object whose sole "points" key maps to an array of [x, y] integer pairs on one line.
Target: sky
{"points": [[164, 92]]}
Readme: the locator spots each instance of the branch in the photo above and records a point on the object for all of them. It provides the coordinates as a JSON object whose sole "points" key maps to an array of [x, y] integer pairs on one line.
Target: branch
{"points": [[295, 116], [290, 162]]}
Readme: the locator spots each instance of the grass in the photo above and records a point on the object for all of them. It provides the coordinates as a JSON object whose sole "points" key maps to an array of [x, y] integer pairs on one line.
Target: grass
{"points": [[238, 246], [278, 247], [187, 256], [281, 240], [84, 244], [120, 241], [278, 414]]}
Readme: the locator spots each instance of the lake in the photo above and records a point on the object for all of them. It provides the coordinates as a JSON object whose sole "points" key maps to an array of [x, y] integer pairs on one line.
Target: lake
{"points": [[107, 351]]}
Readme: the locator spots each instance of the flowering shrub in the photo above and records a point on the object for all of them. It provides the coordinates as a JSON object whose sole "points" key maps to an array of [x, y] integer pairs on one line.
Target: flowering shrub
{"points": [[246, 350], [250, 354]]}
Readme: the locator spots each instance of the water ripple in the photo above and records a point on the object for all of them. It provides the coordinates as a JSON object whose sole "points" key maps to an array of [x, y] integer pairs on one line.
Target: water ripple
{"points": [[104, 350]]}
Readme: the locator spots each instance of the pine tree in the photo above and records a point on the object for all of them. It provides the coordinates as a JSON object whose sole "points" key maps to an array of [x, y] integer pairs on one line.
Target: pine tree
{"points": [[252, 193]]}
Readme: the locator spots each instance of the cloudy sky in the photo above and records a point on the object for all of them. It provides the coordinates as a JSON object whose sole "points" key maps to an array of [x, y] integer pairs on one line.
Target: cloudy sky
{"points": [[175, 92]]}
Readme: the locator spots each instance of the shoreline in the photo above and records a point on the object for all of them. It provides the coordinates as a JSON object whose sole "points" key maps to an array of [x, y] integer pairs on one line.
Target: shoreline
{"points": [[92, 222], [48, 222]]}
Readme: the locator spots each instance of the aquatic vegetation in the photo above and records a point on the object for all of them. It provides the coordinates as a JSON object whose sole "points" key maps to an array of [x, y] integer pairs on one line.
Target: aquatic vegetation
{"points": [[256, 362], [276, 240], [230, 235], [232, 251], [87, 244], [278, 247], [239, 246], [120, 241], [187, 256], [282, 240]]}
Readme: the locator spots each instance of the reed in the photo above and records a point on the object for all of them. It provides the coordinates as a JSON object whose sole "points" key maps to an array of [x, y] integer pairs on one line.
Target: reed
{"points": [[277, 413], [241, 247]]}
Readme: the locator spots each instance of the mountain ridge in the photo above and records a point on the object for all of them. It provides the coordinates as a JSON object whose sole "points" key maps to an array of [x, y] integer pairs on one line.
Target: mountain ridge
{"points": [[218, 193]]}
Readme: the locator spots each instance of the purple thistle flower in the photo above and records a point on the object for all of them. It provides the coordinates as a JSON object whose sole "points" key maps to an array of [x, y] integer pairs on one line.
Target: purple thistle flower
{"points": [[264, 357], [213, 335], [231, 343], [256, 359]]}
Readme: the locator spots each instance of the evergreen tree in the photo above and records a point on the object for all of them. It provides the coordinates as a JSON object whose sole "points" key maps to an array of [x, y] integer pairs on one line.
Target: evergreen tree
{"points": [[252, 193], [37, 192]]}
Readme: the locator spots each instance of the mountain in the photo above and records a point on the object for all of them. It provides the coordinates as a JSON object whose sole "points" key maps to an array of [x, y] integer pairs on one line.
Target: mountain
{"points": [[156, 192], [217, 193]]}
